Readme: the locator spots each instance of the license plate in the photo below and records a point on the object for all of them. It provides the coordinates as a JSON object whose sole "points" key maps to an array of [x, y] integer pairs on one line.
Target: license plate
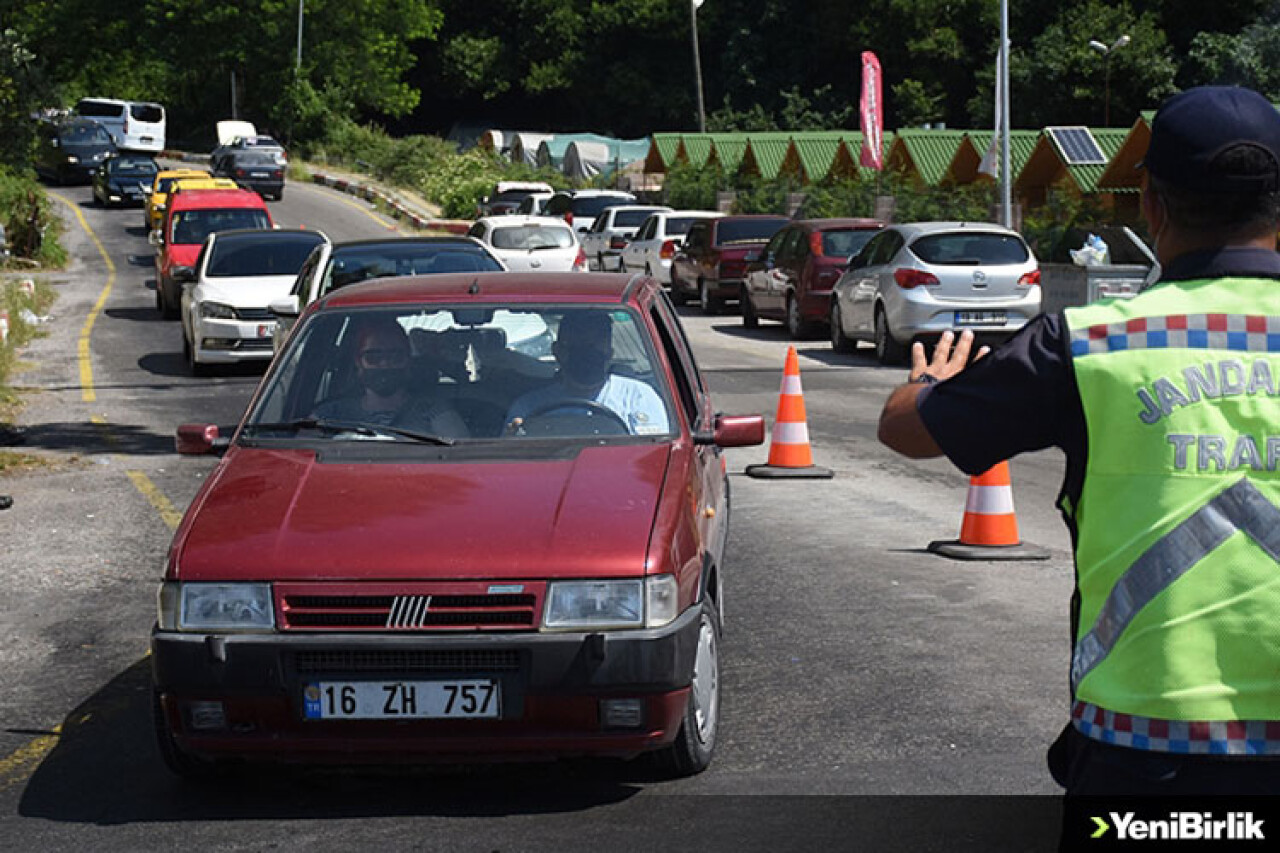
{"points": [[259, 175], [980, 318], [402, 700]]}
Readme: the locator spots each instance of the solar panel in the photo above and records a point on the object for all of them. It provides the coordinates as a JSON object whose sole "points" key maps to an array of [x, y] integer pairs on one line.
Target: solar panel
{"points": [[1077, 146]]}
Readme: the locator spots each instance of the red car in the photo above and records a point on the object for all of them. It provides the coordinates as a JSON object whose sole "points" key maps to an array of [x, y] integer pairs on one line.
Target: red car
{"points": [[791, 278], [191, 216], [711, 264], [464, 515]]}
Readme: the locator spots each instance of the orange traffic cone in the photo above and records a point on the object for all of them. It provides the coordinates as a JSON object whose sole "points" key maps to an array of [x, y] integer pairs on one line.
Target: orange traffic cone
{"points": [[990, 527], [789, 453]]}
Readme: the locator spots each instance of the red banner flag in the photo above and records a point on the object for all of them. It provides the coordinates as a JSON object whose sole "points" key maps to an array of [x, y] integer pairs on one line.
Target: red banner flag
{"points": [[872, 117]]}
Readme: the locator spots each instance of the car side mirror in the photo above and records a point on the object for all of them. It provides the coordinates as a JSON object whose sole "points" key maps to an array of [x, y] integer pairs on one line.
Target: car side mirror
{"points": [[156, 237], [733, 431], [200, 439], [285, 307], [184, 275]]}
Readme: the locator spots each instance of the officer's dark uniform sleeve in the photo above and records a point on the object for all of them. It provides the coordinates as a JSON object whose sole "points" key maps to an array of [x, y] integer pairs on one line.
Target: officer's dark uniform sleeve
{"points": [[1020, 397]]}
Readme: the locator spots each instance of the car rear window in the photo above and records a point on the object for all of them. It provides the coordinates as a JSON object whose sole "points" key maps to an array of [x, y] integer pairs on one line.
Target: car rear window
{"points": [[844, 244], [271, 253], [747, 230], [970, 249], [529, 237], [630, 218], [255, 158], [192, 226], [134, 166], [100, 109], [150, 113], [679, 225], [590, 207], [349, 265]]}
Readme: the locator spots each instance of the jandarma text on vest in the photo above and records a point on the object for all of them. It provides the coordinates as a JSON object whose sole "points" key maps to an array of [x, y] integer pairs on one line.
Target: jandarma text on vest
{"points": [[1230, 377]]}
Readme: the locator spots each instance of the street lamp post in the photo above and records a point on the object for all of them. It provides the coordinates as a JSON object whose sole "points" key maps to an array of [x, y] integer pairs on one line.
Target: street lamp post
{"points": [[697, 64], [1106, 72], [297, 67]]}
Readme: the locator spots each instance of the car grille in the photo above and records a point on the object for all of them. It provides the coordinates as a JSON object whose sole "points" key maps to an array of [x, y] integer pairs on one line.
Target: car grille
{"points": [[410, 610], [254, 344], [254, 314], [408, 661]]}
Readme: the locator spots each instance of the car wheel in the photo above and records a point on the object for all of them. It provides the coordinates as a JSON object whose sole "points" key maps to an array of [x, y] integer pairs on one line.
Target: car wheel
{"points": [[840, 342], [189, 353], [710, 304], [797, 327], [179, 762], [750, 320], [888, 350], [696, 741], [678, 296]]}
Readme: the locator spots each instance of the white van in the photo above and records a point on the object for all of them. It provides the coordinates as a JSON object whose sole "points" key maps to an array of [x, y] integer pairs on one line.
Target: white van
{"points": [[133, 125]]}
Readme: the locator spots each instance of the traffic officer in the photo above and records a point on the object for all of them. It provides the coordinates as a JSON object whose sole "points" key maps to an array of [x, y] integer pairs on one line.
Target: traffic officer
{"points": [[1167, 406]]}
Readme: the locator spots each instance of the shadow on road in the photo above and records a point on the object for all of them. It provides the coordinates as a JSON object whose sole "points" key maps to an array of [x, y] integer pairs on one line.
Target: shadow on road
{"points": [[91, 439], [141, 260], [139, 231], [107, 770], [173, 364], [145, 315]]}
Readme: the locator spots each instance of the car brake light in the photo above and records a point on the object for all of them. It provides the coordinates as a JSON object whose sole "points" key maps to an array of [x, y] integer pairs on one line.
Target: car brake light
{"points": [[908, 278], [240, 173], [568, 217], [1031, 278], [580, 263], [668, 250], [815, 244], [617, 242]]}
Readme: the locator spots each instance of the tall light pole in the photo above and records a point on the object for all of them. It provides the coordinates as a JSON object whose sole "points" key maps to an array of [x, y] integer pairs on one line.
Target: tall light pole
{"points": [[1006, 186], [1106, 72], [297, 66], [697, 63]]}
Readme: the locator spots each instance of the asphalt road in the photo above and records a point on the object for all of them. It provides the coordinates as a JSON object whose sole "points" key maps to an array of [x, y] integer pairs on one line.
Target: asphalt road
{"points": [[856, 664]]}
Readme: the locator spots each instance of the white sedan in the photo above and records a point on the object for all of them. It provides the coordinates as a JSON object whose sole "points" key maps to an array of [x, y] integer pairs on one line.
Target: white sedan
{"points": [[531, 243], [225, 319], [659, 238]]}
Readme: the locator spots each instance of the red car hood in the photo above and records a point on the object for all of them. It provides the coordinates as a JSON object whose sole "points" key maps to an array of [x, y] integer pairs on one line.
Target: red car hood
{"points": [[281, 515], [182, 254]]}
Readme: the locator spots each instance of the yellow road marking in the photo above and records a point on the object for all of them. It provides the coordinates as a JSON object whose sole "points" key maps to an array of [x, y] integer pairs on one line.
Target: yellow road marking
{"points": [[156, 498], [87, 392], [363, 208], [18, 765]]}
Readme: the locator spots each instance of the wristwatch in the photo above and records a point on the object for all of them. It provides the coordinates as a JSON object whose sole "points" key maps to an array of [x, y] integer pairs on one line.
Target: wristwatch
{"points": [[923, 379]]}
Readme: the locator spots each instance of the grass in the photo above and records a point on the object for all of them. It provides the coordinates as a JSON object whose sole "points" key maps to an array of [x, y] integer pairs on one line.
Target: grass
{"points": [[15, 300], [12, 462]]}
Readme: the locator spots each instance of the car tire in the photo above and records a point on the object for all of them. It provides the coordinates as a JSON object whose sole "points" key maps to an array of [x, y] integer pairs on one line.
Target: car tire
{"points": [[710, 303], [797, 326], [678, 296], [840, 342], [600, 263], [695, 743], [888, 350], [180, 763], [750, 319], [167, 311], [189, 353]]}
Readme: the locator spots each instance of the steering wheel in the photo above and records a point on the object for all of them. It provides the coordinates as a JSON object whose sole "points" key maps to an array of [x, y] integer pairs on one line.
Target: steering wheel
{"points": [[575, 408]]}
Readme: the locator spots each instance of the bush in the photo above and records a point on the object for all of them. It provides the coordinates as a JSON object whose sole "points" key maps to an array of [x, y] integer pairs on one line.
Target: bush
{"points": [[31, 227], [15, 301]]}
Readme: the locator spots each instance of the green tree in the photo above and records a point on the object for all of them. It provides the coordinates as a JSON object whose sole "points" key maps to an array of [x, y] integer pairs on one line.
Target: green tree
{"points": [[21, 88]]}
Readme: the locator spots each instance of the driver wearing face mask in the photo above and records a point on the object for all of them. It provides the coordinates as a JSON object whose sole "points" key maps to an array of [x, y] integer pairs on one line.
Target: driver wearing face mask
{"points": [[382, 363], [584, 350]]}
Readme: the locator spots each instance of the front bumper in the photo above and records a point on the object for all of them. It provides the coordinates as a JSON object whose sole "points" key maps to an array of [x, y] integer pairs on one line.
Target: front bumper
{"points": [[552, 686], [233, 341]]}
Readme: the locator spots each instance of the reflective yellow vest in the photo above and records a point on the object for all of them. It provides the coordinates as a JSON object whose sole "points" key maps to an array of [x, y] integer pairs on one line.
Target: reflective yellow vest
{"points": [[1178, 520]]}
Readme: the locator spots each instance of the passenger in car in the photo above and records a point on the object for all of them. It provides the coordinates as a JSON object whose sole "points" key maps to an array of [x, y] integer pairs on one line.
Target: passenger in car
{"points": [[384, 397], [584, 351]]}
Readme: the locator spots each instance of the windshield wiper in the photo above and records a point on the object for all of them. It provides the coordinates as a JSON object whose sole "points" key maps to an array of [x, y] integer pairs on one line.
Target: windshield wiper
{"points": [[357, 427]]}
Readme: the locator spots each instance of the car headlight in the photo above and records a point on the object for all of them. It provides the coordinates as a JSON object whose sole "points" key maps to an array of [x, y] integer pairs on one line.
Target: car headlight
{"points": [[71, 158], [610, 604], [215, 607], [217, 311]]}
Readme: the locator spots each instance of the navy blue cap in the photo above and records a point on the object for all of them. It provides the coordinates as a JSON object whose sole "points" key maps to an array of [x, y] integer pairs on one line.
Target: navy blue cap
{"points": [[1194, 129]]}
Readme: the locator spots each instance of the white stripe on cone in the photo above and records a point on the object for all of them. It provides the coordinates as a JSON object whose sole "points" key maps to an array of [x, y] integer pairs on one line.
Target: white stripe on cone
{"points": [[989, 500], [791, 385], [790, 433]]}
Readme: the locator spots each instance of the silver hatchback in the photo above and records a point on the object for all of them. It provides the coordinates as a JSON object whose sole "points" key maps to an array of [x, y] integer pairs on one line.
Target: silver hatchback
{"points": [[917, 280]]}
